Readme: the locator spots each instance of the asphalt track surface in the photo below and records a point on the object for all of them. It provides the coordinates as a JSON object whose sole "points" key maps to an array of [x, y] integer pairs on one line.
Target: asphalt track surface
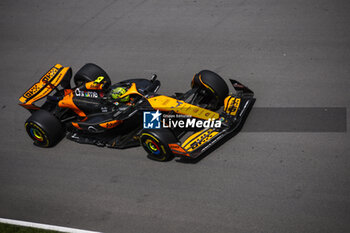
{"points": [[291, 53]]}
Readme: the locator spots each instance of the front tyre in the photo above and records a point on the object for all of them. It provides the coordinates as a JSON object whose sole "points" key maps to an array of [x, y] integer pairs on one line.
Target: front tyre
{"points": [[155, 143], [44, 129], [215, 87]]}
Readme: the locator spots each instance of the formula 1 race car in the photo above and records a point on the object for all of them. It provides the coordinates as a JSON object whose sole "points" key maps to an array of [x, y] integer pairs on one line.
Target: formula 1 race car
{"points": [[128, 113]]}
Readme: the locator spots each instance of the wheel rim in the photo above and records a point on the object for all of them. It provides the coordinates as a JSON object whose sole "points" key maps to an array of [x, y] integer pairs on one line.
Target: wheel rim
{"points": [[36, 134], [152, 147]]}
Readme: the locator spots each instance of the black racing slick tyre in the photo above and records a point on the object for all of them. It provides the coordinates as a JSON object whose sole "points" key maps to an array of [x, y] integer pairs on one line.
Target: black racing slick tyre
{"points": [[155, 142], [213, 84], [90, 72], [44, 128]]}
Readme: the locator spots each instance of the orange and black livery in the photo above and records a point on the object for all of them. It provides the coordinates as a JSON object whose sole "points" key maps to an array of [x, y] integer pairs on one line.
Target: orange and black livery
{"points": [[87, 108]]}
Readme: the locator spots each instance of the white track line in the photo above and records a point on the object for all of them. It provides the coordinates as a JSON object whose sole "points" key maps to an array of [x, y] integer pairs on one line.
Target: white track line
{"points": [[44, 226]]}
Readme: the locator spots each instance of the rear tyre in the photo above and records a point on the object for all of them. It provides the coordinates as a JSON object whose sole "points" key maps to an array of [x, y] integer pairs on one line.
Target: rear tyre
{"points": [[155, 143], [213, 84], [44, 128], [90, 72]]}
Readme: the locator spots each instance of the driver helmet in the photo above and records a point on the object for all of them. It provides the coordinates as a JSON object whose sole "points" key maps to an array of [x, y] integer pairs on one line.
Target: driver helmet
{"points": [[117, 92]]}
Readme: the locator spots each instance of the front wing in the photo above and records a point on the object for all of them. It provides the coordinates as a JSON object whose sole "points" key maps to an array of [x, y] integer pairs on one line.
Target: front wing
{"points": [[233, 118]]}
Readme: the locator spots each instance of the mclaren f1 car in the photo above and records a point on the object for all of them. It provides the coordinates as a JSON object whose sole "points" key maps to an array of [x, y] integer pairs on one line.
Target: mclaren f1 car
{"points": [[95, 111]]}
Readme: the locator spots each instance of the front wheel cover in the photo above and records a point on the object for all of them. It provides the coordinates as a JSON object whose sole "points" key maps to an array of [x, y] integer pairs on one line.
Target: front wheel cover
{"points": [[155, 148]]}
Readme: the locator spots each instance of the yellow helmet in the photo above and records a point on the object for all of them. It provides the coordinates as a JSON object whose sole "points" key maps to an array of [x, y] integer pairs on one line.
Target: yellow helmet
{"points": [[119, 91]]}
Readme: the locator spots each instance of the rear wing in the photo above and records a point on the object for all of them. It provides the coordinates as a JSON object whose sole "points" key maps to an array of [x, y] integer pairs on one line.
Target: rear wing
{"points": [[45, 86]]}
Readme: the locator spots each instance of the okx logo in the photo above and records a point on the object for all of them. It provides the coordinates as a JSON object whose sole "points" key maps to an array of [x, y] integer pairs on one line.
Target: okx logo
{"points": [[151, 120]]}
